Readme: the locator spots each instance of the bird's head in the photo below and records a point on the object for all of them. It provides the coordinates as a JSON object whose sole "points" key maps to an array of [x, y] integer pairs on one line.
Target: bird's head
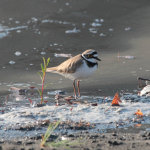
{"points": [[90, 55]]}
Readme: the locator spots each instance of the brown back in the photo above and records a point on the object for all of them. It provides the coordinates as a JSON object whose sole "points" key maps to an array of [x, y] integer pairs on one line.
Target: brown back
{"points": [[70, 65]]}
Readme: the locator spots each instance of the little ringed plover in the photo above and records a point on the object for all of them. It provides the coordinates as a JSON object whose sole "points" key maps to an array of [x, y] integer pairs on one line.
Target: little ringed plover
{"points": [[79, 67]]}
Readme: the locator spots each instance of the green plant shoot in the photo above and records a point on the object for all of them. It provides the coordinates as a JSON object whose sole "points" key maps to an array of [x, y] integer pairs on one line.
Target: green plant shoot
{"points": [[50, 129], [56, 143], [43, 67]]}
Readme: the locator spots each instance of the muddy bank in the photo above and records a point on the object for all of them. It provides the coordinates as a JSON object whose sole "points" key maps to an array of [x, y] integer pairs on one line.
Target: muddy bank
{"points": [[104, 141]]}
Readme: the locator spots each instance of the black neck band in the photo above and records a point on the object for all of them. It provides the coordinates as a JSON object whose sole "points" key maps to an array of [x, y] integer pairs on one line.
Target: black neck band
{"points": [[89, 63]]}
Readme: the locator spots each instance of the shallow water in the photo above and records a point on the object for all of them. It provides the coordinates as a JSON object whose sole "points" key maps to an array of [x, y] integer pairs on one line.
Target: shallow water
{"points": [[42, 33]]}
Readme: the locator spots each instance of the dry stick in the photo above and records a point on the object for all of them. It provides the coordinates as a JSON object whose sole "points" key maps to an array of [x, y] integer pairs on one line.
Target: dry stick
{"points": [[103, 94], [5, 103], [42, 88], [6, 99], [140, 84], [30, 100], [107, 108]]}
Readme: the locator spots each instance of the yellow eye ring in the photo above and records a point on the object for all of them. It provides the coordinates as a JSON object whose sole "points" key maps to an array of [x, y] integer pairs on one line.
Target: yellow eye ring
{"points": [[89, 55]]}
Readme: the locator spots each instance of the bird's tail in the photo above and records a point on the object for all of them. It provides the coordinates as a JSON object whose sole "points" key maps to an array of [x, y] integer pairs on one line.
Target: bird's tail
{"points": [[53, 70]]}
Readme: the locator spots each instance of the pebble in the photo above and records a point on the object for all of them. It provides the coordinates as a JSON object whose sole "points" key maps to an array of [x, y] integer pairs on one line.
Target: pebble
{"points": [[75, 30], [12, 62], [29, 143], [43, 53], [17, 53], [95, 24]]}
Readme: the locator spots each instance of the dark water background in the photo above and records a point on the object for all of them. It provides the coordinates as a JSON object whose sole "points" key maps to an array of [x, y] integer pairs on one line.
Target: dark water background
{"points": [[125, 25]]}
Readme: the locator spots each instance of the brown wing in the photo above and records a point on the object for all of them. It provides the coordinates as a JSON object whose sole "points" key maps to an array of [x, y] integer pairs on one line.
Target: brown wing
{"points": [[70, 65], [53, 69]]}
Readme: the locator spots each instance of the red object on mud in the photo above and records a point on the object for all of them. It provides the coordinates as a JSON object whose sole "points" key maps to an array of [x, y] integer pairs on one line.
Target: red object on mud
{"points": [[116, 100], [94, 104], [139, 113]]}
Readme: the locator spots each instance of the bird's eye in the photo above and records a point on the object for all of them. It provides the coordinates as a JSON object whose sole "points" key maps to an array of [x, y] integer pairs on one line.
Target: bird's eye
{"points": [[90, 56]]}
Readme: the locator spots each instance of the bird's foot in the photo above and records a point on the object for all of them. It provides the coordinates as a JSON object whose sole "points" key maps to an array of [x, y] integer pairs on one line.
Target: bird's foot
{"points": [[77, 97]]}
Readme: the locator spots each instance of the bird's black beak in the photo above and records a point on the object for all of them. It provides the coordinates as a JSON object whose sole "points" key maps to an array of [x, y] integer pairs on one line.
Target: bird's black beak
{"points": [[97, 58]]}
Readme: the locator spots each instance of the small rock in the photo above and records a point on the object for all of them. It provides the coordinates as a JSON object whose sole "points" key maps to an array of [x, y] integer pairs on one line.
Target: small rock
{"points": [[94, 136], [36, 138], [143, 135], [148, 134], [70, 135], [29, 143], [114, 134], [145, 138], [18, 142], [110, 142], [114, 142]]}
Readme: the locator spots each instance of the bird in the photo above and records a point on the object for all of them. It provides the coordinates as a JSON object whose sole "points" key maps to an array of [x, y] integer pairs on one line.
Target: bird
{"points": [[78, 67]]}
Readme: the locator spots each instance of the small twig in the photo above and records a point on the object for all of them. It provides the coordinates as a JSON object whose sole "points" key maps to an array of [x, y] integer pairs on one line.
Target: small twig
{"points": [[140, 84], [104, 95], [6, 100], [107, 108], [30, 100], [103, 99], [5, 103], [71, 109]]}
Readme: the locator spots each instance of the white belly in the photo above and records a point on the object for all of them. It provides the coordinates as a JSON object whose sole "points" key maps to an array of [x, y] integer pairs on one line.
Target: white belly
{"points": [[81, 73]]}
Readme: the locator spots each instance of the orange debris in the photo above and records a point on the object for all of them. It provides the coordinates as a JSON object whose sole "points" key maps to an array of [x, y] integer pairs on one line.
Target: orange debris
{"points": [[45, 101], [137, 125], [88, 124], [139, 112], [30, 100], [79, 125], [116, 100], [71, 109]]}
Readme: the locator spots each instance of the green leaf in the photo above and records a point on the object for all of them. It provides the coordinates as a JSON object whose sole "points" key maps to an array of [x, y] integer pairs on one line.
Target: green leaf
{"points": [[46, 85], [44, 64], [39, 92], [48, 61], [40, 75], [50, 129], [42, 67]]}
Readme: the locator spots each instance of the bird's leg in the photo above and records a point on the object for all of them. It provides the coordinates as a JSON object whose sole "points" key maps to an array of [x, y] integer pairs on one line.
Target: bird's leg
{"points": [[78, 88], [74, 89]]}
